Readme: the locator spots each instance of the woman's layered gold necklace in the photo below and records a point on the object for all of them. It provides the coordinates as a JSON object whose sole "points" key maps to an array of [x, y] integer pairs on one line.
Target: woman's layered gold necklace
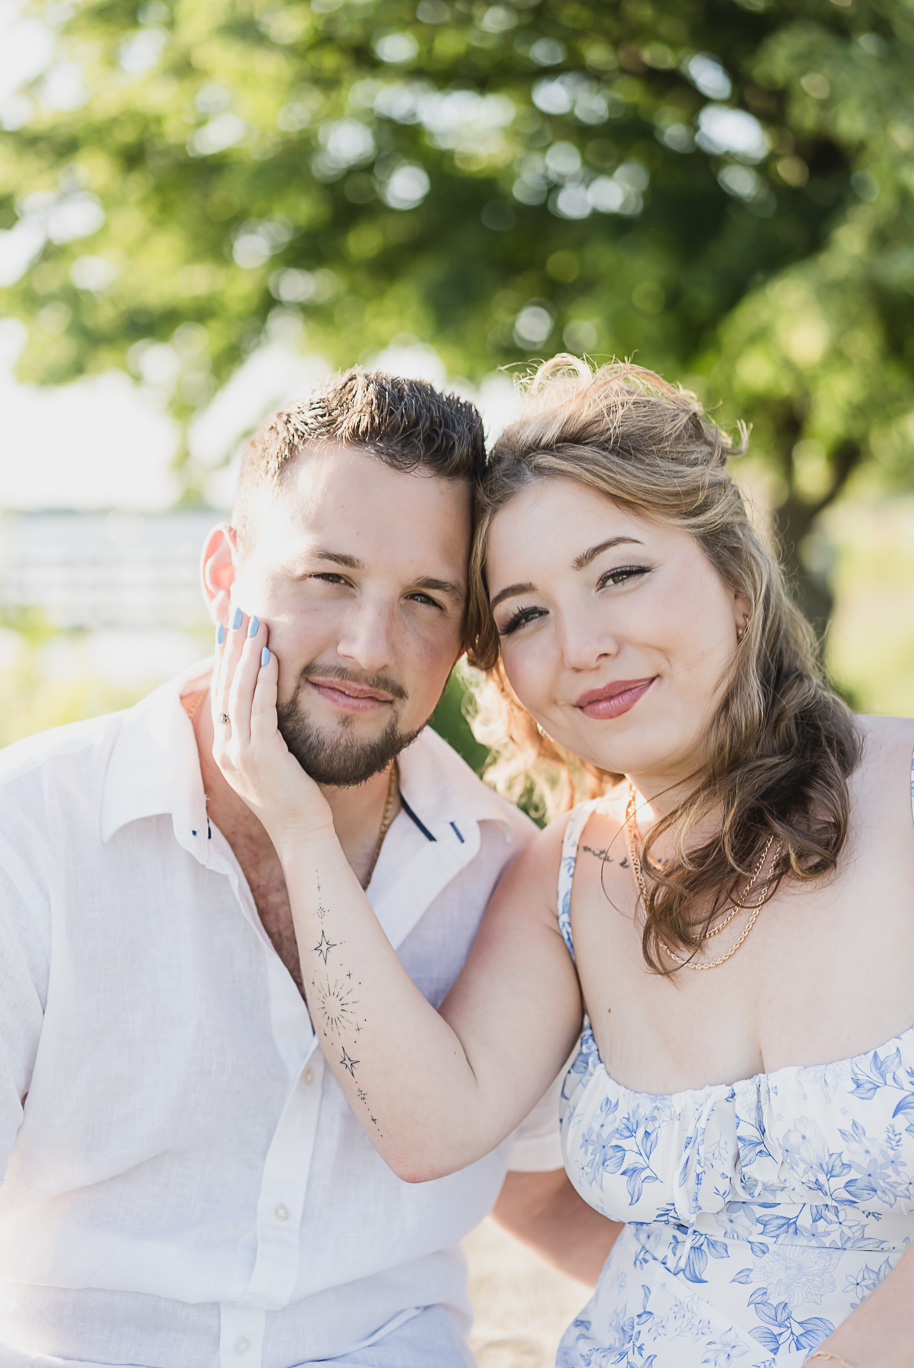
{"points": [[742, 905]]}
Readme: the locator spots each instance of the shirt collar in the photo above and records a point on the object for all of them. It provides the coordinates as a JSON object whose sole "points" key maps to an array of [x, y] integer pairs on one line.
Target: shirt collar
{"points": [[441, 790], [154, 766]]}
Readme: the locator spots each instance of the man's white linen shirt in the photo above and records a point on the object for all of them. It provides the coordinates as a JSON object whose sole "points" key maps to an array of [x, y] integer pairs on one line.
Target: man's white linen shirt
{"points": [[184, 1181]]}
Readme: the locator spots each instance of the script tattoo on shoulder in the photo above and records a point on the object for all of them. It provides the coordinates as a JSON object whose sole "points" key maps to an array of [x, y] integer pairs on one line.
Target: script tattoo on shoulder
{"points": [[592, 850], [335, 998], [603, 855]]}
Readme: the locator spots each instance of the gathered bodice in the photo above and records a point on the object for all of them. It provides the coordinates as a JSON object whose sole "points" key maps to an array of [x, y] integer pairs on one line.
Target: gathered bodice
{"points": [[804, 1178]]}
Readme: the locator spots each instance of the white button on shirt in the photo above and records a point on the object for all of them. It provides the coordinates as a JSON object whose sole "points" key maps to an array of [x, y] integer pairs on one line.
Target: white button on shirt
{"points": [[184, 1182]]}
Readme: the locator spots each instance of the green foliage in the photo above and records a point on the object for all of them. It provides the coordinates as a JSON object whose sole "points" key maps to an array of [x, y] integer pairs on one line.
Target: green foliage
{"points": [[723, 188], [449, 720]]}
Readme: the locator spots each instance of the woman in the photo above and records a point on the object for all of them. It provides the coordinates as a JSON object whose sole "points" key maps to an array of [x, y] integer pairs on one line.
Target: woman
{"points": [[729, 915]]}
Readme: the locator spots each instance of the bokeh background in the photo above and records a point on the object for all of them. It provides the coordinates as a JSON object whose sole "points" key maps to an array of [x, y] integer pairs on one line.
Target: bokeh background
{"points": [[207, 204]]}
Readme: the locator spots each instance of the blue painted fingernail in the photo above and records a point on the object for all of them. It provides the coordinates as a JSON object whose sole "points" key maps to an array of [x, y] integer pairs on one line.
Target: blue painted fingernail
{"points": [[254, 624], [220, 634], [264, 656], [236, 620]]}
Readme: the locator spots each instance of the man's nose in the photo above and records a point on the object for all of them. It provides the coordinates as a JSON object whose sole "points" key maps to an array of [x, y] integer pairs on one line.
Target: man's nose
{"points": [[367, 635]]}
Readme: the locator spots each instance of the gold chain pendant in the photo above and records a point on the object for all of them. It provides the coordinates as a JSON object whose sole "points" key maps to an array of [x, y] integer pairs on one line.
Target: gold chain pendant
{"points": [[740, 906]]}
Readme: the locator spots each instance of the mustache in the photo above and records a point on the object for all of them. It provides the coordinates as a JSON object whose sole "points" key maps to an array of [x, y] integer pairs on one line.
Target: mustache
{"points": [[368, 681]]}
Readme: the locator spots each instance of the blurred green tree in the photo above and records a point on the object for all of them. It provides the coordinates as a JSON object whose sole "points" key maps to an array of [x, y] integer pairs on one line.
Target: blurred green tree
{"points": [[722, 187]]}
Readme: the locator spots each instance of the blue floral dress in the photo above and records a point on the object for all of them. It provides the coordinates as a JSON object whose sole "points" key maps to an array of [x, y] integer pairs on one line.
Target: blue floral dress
{"points": [[758, 1214]]}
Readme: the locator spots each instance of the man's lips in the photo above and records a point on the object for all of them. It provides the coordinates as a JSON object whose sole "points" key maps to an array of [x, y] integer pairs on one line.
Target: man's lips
{"points": [[346, 693], [613, 699]]}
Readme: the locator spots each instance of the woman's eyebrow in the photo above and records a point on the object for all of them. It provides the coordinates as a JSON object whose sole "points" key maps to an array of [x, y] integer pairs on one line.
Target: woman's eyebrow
{"points": [[506, 593], [581, 562]]}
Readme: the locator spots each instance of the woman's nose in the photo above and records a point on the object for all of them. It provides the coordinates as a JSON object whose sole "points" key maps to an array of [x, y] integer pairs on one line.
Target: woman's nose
{"points": [[585, 642]]}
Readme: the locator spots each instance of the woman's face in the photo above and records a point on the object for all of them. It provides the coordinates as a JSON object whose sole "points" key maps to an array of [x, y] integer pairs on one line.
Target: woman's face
{"points": [[616, 633]]}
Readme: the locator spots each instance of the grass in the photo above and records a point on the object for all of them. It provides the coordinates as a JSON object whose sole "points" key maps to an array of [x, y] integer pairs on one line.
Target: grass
{"points": [[871, 641]]}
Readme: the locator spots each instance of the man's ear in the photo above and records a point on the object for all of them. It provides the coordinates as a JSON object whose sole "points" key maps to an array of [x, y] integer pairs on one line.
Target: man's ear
{"points": [[217, 571]]}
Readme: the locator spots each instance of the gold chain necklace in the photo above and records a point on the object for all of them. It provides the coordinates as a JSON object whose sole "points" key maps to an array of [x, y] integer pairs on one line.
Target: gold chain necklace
{"points": [[741, 905], [385, 820], [197, 700]]}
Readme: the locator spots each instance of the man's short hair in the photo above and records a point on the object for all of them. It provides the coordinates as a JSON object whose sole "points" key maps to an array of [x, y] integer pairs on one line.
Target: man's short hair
{"points": [[407, 424]]}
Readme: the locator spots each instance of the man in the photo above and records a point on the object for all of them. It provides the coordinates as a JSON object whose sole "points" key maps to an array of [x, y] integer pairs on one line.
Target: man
{"points": [[184, 1183]]}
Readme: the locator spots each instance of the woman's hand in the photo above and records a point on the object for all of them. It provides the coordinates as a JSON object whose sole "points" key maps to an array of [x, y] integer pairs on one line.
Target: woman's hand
{"points": [[248, 747]]}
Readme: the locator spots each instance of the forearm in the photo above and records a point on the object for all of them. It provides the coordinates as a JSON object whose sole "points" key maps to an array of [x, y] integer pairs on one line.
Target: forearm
{"points": [[401, 1067], [880, 1332], [431, 1098], [544, 1212]]}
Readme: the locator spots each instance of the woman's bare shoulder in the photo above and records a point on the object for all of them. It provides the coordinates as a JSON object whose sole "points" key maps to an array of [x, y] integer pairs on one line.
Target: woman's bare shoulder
{"points": [[538, 864], [888, 744], [883, 776], [887, 731], [536, 870]]}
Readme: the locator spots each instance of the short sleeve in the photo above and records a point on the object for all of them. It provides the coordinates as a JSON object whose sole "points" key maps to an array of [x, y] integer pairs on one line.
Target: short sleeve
{"points": [[536, 1147], [23, 991]]}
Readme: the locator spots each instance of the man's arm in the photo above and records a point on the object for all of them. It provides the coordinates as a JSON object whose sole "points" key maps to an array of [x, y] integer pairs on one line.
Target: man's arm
{"points": [[543, 1211], [23, 990]]}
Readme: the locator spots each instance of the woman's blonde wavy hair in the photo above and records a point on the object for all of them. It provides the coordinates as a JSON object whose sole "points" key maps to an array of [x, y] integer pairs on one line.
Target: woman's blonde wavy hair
{"points": [[782, 745]]}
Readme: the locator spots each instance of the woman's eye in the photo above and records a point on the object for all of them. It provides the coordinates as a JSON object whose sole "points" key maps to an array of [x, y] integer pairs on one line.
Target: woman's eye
{"points": [[328, 577], [622, 574], [521, 618]]}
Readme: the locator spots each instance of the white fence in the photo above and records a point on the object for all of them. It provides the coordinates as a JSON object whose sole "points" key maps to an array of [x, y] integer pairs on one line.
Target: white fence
{"points": [[98, 571]]}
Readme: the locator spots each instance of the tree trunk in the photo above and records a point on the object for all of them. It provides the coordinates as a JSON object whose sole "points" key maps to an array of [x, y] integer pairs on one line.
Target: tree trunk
{"points": [[808, 575], [808, 561]]}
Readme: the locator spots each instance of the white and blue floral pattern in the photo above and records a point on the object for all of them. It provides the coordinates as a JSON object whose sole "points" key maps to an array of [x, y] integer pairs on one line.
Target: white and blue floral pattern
{"points": [[758, 1214]]}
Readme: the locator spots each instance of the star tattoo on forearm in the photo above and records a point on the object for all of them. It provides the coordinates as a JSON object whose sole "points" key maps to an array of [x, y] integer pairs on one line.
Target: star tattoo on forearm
{"points": [[336, 1004]]}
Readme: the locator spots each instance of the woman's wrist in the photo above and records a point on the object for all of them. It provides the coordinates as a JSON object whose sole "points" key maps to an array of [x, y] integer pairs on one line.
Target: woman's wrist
{"points": [[823, 1356], [296, 845]]}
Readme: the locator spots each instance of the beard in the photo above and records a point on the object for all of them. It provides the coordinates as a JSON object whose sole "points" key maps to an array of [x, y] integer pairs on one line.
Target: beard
{"points": [[339, 758]]}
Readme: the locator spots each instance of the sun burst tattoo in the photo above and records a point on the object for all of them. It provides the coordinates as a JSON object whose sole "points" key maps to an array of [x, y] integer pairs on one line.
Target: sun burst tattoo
{"points": [[336, 1004], [324, 946], [348, 1062]]}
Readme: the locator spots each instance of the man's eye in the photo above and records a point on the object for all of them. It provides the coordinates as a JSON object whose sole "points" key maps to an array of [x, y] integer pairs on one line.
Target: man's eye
{"points": [[328, 577], [425, 599], [520, 619]]}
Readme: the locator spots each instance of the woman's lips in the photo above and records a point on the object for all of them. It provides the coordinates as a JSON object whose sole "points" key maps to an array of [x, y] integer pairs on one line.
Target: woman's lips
{"points": [[615, 699]]}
